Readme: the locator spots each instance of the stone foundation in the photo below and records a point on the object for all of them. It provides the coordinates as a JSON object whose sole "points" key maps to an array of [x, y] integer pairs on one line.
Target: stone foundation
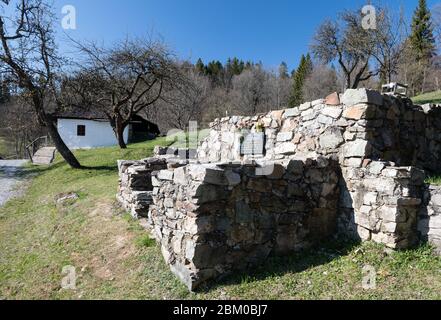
{"points": [[353, 167], [381, 203], [214, 219]]}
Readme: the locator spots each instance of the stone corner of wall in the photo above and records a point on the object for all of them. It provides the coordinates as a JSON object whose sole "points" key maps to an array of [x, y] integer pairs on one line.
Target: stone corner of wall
{"points": [[429, 224]]}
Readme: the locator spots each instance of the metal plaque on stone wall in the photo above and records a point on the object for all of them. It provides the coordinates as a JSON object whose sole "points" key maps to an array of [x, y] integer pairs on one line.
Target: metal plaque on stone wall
{"points": [[253, 144]]}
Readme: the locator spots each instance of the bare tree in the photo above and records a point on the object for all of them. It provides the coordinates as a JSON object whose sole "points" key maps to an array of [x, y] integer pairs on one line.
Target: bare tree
{"points": [[279, 88], [124, 80], [388, 39], [250, 93], [185, 100], [346, 41], [28, 56], [18, 123], [218, 104], [321, 82]]}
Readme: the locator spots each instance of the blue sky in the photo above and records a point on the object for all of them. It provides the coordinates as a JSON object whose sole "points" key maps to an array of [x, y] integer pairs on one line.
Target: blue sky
{"points": [[257, 30]]}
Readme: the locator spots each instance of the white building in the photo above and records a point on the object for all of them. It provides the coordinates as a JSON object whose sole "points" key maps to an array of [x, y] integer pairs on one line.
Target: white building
{"points": [[84, 130]]}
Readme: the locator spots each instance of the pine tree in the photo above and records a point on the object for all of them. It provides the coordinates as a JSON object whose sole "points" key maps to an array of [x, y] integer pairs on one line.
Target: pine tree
{"points": [[200, 67], [234, 66], [421, 38], [283, 70], [299, 76], [309, 66], [215, 70]]}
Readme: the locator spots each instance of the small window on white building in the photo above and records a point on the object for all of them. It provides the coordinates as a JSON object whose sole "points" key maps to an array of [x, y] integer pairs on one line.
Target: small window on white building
{"points": [[81, 130]]}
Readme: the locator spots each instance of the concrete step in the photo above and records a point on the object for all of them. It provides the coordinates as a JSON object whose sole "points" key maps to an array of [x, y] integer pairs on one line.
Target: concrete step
{"points": [[44, 155], [45, 152], [41, 160]]}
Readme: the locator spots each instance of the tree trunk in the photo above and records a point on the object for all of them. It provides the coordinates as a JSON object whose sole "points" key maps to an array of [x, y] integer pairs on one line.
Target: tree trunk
{"points": [[120, 126], [60, 145], [348, 81], [423, 85], [120, 136]]}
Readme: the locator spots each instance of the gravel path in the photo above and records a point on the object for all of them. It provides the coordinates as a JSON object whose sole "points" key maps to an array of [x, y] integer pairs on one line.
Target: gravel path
{"points": [[9, 181]]}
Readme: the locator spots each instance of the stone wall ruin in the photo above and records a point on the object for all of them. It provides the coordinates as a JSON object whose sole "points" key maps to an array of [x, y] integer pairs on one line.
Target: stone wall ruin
{"points": [[350, 164]]}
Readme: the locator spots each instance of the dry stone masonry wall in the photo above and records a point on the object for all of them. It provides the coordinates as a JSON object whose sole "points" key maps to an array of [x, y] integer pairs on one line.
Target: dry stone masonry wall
{"points": [[429, 226], [213, 219], [275, 183], [135, 184], [381, 203], [135, 178], [364, 125]]}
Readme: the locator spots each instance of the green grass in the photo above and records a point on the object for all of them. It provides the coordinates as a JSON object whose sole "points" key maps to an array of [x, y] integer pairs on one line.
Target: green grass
{"points": [[115, 259], [145, 241], [436, 180], [431, 97]]}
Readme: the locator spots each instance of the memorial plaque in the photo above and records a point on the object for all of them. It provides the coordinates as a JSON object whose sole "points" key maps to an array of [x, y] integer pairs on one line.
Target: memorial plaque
{"points": [[253, 144]]}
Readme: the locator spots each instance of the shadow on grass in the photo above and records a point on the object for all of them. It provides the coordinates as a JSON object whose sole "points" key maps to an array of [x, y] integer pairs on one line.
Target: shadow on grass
{"points": [[276, 266], [110, 169], [34, 169]]}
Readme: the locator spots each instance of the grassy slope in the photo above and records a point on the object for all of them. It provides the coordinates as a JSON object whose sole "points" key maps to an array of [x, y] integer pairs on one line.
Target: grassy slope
{"points": [[431, 97], [114, 259]]}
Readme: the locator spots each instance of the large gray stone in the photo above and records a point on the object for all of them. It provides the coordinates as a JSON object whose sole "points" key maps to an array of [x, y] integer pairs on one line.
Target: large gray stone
{"points": [[358, 112], [357, 148], [331, 139], [353, 162], [376, 167], [185, 275], [435, 199], [333, 112], [352, 97], [285, 148], [308, 115], [435, 223], [180, 176], [165, 175], [285, 136], [305, 106], [325, 119], [294, 112], [209, 174]]}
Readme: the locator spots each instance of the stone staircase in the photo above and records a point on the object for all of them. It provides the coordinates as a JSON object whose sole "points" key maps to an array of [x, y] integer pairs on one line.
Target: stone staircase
{"points": [[44, 156]]}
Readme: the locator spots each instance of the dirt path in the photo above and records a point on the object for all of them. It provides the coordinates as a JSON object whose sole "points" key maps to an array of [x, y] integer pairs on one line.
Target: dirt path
{"points": [[9, 179]]}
